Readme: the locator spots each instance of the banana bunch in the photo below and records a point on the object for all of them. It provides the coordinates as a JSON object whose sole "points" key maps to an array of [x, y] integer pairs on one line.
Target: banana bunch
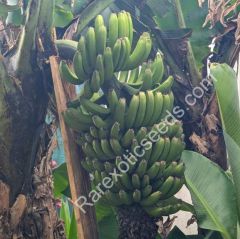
{"points": [[105, 50], [120, 122], [143, 109]]}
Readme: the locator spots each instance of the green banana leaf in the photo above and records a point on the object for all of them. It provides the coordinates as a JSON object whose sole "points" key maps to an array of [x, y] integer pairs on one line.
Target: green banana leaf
{"points": [[62, 14], [225, 82], [60, 179], [164, 14], [6, 8], [89, 13], [213, 194], [108, 227], [65, 216], [73, 228], [15, 17]]}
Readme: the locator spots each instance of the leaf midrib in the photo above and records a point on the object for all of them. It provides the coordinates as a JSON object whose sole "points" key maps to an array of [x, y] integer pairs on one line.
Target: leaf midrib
{"points": [[212, 215]]}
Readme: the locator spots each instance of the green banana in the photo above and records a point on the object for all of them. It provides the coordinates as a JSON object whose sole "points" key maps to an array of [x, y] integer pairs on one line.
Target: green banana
{"points": [[113, 198], [124, 53], [106, 147], [116, 147], [133, 75], [147, 80], [127, 138], [126, 181], [94, 108], [98, 149], [103, 133], [78, 67], [166, 149], [166, 86], [116, 53], [125, 198], [141, 134], [108, 64], [108, 167], [161, 169], [78, 115], [166, 186], [150, 108], [113, 29], [145, 181], [87, 91], [97, 177], [75, 124], [115, 131], [176, 148], [151, 199], [123, 76], [112, 99], [138, 54], [148, 152], [91, 46], [158, 69], [148, 46], [127, 46], [157, 150], [166, 106], [141, 109], [179, 170], [169, 169], [99, 21], [123, 30], [177, 185], [141, 168], [137, 196], [158, 106], [157, 183], [175, 129], [86, 166], [88, 137], [136, 181], [85, 61], [94, 132], [101, 39], [130, 27], [132, 111], [95, 82], [159, 211], [100, 123], [100, 67], [68, 75], [152, 172], [119, 115], [89, 151], [98, 165], [146, 191]]}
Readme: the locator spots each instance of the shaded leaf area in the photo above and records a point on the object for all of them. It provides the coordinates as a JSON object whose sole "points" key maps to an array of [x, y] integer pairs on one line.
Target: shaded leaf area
{"points": [[214, 200], [166, 18], [225, 81], [60, 177], [107, 223], [62, 15], [70, 224]]}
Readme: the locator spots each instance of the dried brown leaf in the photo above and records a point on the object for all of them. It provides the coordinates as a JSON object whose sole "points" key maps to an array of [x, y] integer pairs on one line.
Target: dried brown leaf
{"points": [[237, 33]]}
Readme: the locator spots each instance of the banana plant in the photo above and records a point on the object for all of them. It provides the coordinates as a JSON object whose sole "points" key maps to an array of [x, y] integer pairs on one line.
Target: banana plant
{"points": [[215, 193]]}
